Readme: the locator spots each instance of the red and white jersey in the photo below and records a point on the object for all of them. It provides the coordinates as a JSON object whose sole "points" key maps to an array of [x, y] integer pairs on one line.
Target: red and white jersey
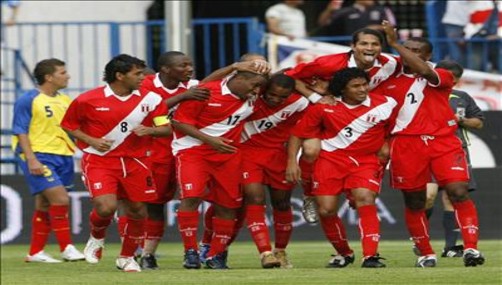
{"points": [[270, 127], [325, 66], [102, 114], [161, 146], [222, 115], [423, 108], [356, 130]]}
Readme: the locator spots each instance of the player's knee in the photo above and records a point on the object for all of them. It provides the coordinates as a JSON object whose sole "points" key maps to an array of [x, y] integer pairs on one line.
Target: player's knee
{"points": [[327, 211], [105, 208], [415, 201]]}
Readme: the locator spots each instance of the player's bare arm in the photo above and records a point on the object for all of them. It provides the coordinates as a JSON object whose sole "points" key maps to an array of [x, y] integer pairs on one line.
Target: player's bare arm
{"points": [[157, 131], [220, 144], [415, 63], [35, 167], [99, 144], [194, 93], [255, 66], [315, 89], [293, 171]]}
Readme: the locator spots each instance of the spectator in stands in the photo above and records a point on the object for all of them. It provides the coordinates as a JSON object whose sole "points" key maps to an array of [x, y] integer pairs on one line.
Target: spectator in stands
{"points": [[454, 20], [44, 153], [362, 14], [14, 5], [286, 19]]}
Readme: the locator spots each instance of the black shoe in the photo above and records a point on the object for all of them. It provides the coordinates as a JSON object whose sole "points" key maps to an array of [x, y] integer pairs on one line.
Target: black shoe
{"points": [[191, 260], [473, 257], [373, 262], [454, 251], [339, 261], [148, 261], [217, 262]]}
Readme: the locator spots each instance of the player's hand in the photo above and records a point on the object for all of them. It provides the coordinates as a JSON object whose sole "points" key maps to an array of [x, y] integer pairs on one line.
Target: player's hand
{"points": [[101, 145], [255, 66], [197, 93], [293, 172], [222, 145], [141, 131], [390, 33], [328, 100], [35, 167]]}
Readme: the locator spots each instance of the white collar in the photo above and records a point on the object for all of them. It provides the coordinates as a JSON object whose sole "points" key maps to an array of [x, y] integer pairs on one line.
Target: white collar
{"points": [[366, 102], [224, 87], [109, 92], [158, 84]]}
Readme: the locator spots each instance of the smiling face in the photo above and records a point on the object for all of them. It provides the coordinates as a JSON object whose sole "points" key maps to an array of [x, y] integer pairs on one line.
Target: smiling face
{"points": [[366, 50], [356, 91]]}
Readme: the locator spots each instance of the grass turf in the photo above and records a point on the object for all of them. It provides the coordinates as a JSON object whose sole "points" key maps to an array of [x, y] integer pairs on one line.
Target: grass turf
{"points": [[309, 260]]}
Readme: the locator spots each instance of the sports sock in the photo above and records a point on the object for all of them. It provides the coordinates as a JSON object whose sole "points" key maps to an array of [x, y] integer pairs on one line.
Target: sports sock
{"points": [[154, 230], [60, 224], [99, 224], [467, 219], [283, 228], [40, 231], [418, 227], [255, 219], [121, 224], [208, 225], [451, 230], [187, 225], [133, 236], [307, 169], [369, 228], [335, 233], [223, 230]]}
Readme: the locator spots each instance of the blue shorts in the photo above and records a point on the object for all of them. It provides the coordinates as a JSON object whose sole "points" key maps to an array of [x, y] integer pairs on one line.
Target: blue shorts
{"points": [[59, 172]]}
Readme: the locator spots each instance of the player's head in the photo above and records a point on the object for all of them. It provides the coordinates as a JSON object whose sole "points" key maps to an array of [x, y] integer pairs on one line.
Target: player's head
{"points": [[125, 70], [366, 46], [51, 71], [351, 83], [455, 68], [250, 56], [246, 84], [176, 65], [422, 47], [277, 89]]}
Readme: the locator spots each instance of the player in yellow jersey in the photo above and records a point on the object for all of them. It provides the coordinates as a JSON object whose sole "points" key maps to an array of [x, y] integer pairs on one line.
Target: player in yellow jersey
{"points": [[45, 154]]}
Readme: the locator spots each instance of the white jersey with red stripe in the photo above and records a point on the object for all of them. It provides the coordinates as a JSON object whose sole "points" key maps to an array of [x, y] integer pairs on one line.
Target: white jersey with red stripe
{"points": [[354, 130], [325, 66], [222, 115], [423, 108], [161, 146], [269, 127], [102, 114]]}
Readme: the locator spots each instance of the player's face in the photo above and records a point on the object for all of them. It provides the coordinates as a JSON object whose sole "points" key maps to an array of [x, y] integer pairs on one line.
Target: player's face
{"points": [[247, 88], [418, 48], [59, 78], [276, 95], [356, 91], [181, 68], [132, 79], [366, 50]]}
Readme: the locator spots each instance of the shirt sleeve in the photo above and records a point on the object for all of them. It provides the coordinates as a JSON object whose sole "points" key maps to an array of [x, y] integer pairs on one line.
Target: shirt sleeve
{"points": [[309, 126], [472, 110], [322, 67], [188, 111], [445, 79], [159, 116], [22, 114], [71, 120]]}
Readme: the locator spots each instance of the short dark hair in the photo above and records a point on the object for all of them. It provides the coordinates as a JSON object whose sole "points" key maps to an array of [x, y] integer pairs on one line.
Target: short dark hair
{"points": [[423, 40], [342, 77], [367, 31], [121, 63], [246, 56], [166, 59], [46, 67], [281, 80], [452, 66]]}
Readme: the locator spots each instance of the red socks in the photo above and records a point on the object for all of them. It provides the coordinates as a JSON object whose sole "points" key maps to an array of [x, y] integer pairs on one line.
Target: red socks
{"points": [[223, 231], [121, 225], [40, 231], [369, 228], [60, 224], [418, 227], [208, 225], [283, 228], [187, 225], [307, 169], [335, 233], [99, 224], [133, 236], [255, 218], [467, 219]]}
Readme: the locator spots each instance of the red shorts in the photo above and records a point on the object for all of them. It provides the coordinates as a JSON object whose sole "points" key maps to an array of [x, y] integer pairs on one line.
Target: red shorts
{"points": [[334, 176], [128, 178], [414, 159], [214, 178], [165, 180], [265, 167]]}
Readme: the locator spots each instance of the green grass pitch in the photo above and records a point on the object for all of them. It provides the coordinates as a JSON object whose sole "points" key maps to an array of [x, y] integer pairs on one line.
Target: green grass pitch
{"points": [[309, 260]]}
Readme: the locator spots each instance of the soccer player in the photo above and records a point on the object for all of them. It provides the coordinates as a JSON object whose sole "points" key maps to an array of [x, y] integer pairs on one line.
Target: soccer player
{"points": [[423, 142], [45, 154], [113, 125], [352, 132], [175, 84], [207, 134], [366, 54], [264, 159]]}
